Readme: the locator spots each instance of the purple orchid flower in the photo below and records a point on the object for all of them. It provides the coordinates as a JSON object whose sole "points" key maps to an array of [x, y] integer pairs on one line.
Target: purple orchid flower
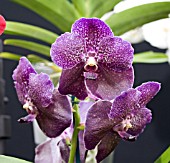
{"points": [[55, 150], [125, 118], [39, 98], [93, 61]]}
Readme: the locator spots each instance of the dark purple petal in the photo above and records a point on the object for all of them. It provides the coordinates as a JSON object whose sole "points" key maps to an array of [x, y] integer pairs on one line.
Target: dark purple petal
{"points": [[28, 118], [55, 118], [115, 52], [107, 145], [110, 83], [50, 151], [93, 30], [148, 90], [40, 89], [84, 107], [124, 104], [21, 78], [97, 123], [67, 50], [64, 150], [72, 82], [141, 117]]}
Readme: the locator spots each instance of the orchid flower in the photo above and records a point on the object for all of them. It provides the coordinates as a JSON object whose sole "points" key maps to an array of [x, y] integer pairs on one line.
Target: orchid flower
{"points": [[55, 150], [41, 101], [125, 118], [94, 61], [2, 24]]}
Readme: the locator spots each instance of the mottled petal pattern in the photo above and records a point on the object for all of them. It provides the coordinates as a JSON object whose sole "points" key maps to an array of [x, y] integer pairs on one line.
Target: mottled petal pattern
{"points": [[21, 78], [97, 123], [67, 50], [110, 83], [72, 82], [141, 117], [40, 89], [148, 90], [55, 118], [107, 145], [115, 52], [93, 30], [124, 104]]}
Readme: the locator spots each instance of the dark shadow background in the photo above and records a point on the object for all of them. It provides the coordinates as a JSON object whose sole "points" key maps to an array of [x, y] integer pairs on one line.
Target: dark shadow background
{"points": [[150, 144]]}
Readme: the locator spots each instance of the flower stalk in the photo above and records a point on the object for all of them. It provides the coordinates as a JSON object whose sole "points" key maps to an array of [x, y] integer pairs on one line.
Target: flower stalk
{"points": [[76, 131]]}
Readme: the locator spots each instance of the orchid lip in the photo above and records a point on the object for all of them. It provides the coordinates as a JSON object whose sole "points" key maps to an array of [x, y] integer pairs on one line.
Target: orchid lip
{"points": [[91, 65]]}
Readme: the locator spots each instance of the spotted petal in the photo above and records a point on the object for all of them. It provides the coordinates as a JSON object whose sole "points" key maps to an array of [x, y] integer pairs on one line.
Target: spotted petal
{"points": [[139, 121], [148, 90], [97, 123], [21, 78], [55, 118], [72, 82], [124, 104], [110, 83], [116, 53], [40, 89], [93, 30], [67, 50], [107, 145]]}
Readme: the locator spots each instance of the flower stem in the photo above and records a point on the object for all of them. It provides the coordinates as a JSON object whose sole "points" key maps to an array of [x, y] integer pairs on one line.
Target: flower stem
{"points": [[75, 133]]}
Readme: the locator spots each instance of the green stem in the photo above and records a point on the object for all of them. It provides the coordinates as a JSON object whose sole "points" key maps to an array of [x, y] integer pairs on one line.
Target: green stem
{"points": [[75, 134]]}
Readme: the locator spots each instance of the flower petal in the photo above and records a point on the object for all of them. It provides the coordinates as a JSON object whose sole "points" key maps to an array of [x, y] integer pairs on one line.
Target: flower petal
{"points": [[2, 24], [64, 150], [21, 78], [48, 152], [40, 89], [84, 107], [148, 90], [67, 50], [141, 118], [107, 145], [110, 83], [82, 149], [28, 118], [55, 118], [115, 52], [124, 104], [93, 30], [97, 123], [72, 82]]}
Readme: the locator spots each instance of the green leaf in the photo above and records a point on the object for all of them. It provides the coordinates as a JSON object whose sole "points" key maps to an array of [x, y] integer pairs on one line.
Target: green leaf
{"points": [[35, 59], [150, 57], [165, 157], [131, 18], [99, 7], [16, 28], [12, 56], [8, 159], [42, 49], [80, 6], [60, 13]]}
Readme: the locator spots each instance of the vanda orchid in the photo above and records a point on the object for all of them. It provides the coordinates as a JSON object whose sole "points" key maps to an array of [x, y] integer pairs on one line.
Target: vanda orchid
{"points": [[96, 65]]}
